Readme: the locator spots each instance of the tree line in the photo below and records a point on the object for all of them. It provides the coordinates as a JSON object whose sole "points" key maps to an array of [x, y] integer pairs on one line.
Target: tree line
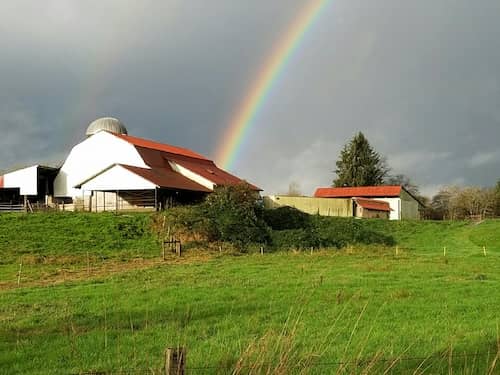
{"points": [[462, 202]]}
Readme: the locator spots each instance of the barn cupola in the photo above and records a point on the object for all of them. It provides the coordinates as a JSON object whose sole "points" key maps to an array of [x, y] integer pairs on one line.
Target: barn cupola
{"points": [[109, 124]]}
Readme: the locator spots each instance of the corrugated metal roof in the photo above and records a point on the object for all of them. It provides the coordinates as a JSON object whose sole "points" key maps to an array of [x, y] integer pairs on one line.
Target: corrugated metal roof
{"points": [[211, 172], [166, 179], [372, 204], [159, 146], [361, 191], [157, 155]]}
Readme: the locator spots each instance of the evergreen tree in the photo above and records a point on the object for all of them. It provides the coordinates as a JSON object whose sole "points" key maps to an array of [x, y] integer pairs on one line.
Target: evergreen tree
{"points": [[359, 164]]}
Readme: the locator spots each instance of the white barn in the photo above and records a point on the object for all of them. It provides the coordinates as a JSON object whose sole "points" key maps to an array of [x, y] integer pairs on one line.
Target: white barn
{"points": [[112, 170]]}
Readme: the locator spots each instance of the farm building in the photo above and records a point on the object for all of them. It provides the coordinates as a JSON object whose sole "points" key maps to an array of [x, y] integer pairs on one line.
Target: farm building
{"points": [[341, 207], [403, 205], [34, 183], [111, 170]]}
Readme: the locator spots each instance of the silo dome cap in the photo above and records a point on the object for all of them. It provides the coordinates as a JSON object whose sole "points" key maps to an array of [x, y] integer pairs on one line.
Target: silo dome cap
{"points": [[109, 124]]}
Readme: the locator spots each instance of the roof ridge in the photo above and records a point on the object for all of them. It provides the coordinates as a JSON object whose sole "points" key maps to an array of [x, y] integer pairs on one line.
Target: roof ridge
{"points": [[154, 145]]}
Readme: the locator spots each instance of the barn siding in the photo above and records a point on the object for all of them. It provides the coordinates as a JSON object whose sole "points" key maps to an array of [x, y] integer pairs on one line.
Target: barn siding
{"points": [[409, 206], [90, 157], [322, 206]]}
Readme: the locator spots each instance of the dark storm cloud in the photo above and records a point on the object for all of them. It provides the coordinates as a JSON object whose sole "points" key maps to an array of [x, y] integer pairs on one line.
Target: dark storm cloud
{"points": [[170, 70], [420, 78]]}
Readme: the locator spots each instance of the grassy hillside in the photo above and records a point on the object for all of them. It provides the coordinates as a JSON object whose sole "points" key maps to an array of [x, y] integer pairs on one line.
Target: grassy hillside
{"points": [[74, 233], [55, 245], [125, 236], [429, 237], [104, 301]]}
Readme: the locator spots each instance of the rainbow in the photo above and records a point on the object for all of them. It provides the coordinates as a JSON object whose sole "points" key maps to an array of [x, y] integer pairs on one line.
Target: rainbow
{"points": [[257, 95]]}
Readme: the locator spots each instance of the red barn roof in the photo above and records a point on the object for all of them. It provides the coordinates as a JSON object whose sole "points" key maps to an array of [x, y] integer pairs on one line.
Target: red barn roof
{"points": [[372, 204], [1, 182], [210, 171], [158, 155], [159, 146], [166, 178], [360, 191]]}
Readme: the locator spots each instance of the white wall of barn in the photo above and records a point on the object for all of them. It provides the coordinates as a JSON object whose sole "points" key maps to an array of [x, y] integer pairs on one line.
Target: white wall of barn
{"points": [[25, 179], [118, 178], [395, 205], [90, 157]]}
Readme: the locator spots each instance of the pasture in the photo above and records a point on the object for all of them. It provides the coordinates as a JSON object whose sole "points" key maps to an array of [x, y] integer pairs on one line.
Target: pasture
{"points": [[92, 296]]}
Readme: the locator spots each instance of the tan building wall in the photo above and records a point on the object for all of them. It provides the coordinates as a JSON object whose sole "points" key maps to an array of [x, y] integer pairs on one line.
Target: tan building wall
{"points": [[409, 207], [371, 214], [314, 206]]}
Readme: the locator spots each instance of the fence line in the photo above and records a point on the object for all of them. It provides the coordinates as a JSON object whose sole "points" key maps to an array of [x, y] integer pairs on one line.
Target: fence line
{"points": [[8, 207], [329, 364]]}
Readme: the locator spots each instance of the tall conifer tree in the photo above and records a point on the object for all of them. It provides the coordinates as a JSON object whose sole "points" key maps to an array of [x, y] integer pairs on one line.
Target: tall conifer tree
{"points": [[359, 164]]}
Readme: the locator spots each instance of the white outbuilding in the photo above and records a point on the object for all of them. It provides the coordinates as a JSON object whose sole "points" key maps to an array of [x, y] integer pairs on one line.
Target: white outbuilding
{"points": [[22, 186]]}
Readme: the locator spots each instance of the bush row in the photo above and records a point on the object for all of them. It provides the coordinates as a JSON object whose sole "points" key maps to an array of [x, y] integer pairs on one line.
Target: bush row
{"points": [[233, 215], [323, 232]]}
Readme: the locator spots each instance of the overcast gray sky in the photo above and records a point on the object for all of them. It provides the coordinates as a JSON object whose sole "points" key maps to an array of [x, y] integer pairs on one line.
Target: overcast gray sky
{"points": [[420, 78]]}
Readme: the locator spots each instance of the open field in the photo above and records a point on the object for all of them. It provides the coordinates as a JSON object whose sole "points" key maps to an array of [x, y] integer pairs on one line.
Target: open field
{"points": [[103, 301]]}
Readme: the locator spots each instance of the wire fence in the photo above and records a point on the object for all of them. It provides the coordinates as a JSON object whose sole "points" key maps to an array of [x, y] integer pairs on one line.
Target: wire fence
{"points": [[448, 358]]}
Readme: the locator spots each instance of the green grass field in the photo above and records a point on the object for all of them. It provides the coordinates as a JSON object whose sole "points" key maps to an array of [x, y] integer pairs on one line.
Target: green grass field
{"points": [[91, 298]]}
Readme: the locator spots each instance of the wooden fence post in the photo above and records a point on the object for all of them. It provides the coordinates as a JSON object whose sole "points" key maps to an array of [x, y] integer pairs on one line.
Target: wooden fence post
{"points": [[19, 273], [179, 248], [175, 361]]}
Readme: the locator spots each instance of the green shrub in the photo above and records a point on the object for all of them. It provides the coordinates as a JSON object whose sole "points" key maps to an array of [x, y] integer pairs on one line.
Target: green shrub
{"points": [[340, 232], [230, 214], [233, 215], [286, 218], [291, 239], [329, 232], [129, 229]]}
